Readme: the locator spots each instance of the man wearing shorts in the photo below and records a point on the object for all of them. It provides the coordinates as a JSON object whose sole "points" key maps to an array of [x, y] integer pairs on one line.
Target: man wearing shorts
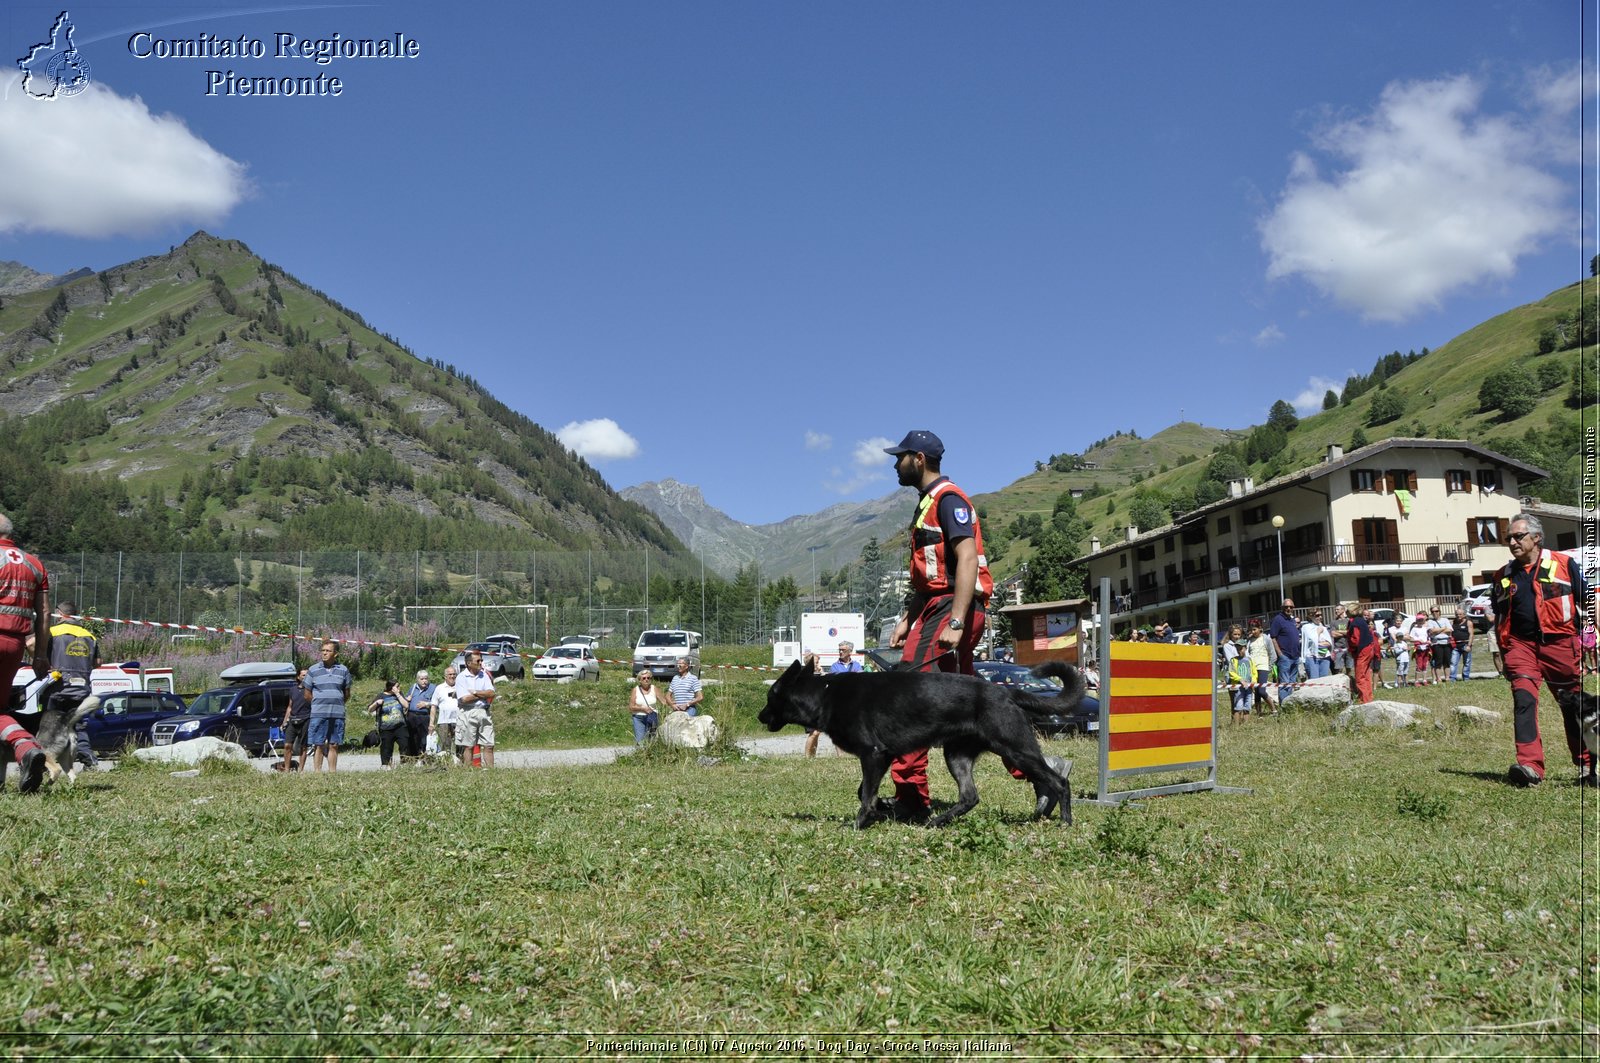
{"points": [[474, 696], [328, 683]]}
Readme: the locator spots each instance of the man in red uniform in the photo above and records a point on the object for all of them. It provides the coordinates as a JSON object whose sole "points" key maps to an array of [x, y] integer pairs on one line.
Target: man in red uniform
{"points": [[1537, 596], [950, 589], [24, 609]]}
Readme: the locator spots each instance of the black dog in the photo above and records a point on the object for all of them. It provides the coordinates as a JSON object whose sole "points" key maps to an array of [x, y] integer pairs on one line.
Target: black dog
{"points": [[878, 716]]}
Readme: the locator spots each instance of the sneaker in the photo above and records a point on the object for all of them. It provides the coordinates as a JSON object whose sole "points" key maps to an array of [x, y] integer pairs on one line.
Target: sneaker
{"points": [[1588, 779], [1523, 776], [32, 765]]}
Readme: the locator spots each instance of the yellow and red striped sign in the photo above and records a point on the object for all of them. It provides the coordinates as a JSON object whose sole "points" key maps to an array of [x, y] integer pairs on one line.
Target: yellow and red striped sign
{"points": [[1160, 706]]}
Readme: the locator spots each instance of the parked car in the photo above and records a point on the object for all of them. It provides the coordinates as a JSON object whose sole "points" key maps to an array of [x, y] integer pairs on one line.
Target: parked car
{"points": [[580, 640], [660, 650], [500, 656], [1083, 718], [1476, 602], [243, 712], [127, 716], [567, 662]]}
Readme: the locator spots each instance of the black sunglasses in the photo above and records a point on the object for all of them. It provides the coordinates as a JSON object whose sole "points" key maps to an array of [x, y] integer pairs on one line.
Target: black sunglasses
{"points": [[1517, 537]]}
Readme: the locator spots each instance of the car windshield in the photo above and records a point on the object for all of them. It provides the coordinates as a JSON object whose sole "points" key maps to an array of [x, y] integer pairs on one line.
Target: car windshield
{"points": [[664, 638], [566, 651], [210, 703], [483, 647], [1015, 675]]}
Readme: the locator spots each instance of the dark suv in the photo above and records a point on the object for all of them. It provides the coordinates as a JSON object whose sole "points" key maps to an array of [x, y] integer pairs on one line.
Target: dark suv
{"points": [[244, 713], [127, 716], [1082, 718]]}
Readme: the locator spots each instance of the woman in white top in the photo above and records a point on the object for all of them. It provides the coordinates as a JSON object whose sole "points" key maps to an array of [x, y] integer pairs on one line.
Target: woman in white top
{"points": [[642, 703], [443, 710]]}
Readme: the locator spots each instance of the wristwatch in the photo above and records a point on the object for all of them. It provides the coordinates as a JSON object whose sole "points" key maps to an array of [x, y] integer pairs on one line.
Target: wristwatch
{"points": [[955, 625]]}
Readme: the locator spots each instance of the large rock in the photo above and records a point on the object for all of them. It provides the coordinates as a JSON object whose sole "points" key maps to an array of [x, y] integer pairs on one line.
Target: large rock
{"points": [[193, 752], [687, 732], [1324, 694], [1393, 714]]}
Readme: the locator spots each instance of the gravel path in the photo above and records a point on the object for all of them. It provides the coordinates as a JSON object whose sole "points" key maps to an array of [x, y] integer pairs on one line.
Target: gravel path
{"points": [[782, 745]]}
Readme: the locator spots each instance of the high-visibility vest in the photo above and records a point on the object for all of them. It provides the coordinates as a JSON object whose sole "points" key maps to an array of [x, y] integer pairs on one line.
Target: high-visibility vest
{"points": [[73, 651], [932, 566], [1555, 603]]}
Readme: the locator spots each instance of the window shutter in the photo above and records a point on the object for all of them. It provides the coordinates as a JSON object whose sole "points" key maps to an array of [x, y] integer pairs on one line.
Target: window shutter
{"points": [[1472, 532], [1358, 538], [1466, 479], [1411, 481], [1391, 549], [1502, 528]]}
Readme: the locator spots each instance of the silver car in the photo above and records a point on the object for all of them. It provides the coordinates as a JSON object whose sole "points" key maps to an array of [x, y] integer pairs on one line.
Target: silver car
{"points": [[499, 658], [567, 662]]}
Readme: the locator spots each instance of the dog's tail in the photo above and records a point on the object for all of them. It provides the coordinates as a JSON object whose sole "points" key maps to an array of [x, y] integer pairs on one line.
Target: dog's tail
{"points": [[1073, 689], [82, 712]]}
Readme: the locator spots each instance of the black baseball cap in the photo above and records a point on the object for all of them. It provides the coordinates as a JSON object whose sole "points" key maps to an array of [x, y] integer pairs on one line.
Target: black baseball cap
{"points": [[918, 441]]}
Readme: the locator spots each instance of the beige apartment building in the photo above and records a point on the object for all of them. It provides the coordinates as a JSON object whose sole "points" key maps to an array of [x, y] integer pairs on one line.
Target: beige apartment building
{"points": [[1405, 523]]}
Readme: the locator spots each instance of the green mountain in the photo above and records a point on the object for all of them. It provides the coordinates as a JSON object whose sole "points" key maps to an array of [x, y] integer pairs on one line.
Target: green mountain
{"points": [[1509, 384], [205, 398]]}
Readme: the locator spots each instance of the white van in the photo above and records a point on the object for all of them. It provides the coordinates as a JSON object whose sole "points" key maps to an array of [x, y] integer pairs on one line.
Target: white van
{"points": [[660, 649]]}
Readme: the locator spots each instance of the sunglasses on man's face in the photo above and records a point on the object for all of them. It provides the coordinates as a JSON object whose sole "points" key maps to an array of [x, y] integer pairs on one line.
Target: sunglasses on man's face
{"points": [[1517, 537]]}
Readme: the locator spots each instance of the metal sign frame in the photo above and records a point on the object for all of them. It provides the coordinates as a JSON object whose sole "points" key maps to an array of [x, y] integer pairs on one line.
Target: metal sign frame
{"points": [[1111, 798]]}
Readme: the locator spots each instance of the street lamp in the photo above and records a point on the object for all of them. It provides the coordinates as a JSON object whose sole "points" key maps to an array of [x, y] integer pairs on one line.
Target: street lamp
{"points": [[1277, 526]]}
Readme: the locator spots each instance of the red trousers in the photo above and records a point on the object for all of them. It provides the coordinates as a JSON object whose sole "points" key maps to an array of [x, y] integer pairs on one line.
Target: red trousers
{"points": [[12, 648], [1558, 665], [910, 772], [1363, 674]]}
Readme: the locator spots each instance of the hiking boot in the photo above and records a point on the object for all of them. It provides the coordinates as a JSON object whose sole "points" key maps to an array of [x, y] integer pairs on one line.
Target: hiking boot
{"points": [[32, 765], [1060, 765], [1588, 778], [1522, 776], [901, 812]]}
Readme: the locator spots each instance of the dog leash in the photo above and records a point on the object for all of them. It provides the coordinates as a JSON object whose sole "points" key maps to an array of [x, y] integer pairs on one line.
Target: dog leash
{"points": [[912, 666]]}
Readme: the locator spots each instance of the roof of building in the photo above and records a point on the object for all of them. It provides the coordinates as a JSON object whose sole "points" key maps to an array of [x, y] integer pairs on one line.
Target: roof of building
{"points": [[1316, 472]]}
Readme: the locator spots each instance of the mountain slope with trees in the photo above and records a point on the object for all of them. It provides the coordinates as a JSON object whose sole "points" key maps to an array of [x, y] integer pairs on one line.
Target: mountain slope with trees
{"points": [[1516, 384], [205, 399]]}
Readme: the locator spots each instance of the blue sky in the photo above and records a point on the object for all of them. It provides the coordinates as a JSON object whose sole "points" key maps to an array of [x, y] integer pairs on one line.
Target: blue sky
{"points": [[743, 244]]}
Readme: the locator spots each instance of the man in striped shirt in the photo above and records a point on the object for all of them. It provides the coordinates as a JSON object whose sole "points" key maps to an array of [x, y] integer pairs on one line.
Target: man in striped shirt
{"points": [[328, 683], [685, 689]]}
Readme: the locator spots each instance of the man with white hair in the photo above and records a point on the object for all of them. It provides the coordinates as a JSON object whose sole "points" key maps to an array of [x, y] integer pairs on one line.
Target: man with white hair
{"points": [[1537, 598], [24, 610], [419, 707]]}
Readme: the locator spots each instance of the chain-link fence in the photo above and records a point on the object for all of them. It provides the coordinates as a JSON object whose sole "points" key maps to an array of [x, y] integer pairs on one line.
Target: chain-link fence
{"points": [[454, 597]]}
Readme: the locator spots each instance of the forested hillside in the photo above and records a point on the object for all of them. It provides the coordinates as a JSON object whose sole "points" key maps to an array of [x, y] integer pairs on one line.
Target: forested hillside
{"points": [[205, 399]]}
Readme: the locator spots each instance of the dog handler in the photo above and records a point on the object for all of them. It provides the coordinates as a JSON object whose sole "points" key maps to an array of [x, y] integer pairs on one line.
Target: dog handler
{"points": [[950, 589], [1536, 597], [24, 610]]}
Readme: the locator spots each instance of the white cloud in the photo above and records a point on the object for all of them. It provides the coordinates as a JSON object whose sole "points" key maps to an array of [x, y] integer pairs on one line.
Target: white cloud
{"points": [[601, 439], [818, 440], [868, 465], [1309, 401], [1269, 335], [98, 164], [1432, 195]]}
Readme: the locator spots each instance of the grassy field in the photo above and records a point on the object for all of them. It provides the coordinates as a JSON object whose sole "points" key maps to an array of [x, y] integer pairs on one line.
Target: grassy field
{"points": [[1379, 894]]}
